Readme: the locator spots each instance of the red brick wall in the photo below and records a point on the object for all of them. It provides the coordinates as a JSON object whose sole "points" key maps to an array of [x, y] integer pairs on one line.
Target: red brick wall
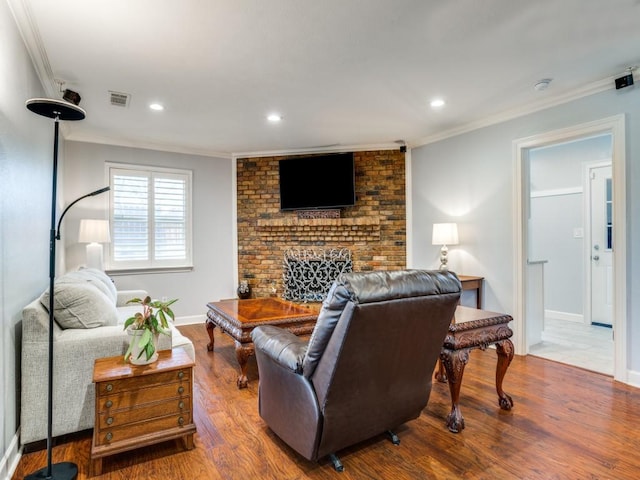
{"points": [[374, 229]]}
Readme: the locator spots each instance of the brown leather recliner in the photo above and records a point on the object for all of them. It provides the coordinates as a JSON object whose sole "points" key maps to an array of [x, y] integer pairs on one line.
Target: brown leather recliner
{"points": [[367, 367]]}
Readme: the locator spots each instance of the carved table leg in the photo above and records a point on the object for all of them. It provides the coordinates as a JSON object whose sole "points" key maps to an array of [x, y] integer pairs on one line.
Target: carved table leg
{"points": [[454, 363], [441, 376], [504, 350], [210, 326], [242, 354]]}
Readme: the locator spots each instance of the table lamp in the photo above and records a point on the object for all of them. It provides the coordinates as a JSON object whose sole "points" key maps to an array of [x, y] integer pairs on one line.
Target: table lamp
{"points": [[94, 233], [444, 234]]}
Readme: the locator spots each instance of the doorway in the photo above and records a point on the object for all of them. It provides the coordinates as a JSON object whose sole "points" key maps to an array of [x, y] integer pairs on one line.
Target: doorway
{"points": [[569, 183], [613, 126]]}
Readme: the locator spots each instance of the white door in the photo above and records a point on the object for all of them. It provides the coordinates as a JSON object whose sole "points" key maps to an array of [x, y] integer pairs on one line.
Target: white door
{"points": [[601, 264]]}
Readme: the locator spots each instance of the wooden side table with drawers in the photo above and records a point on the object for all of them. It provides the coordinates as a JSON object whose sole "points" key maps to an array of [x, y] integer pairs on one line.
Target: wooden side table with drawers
{"points": [[140, 405]]}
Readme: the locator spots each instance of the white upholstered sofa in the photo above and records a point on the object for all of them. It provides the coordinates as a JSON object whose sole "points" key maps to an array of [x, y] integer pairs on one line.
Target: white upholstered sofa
{"points": [[89, 315]]}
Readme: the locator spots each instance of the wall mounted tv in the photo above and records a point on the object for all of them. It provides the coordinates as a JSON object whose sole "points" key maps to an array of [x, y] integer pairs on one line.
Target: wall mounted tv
{"points": [[322, 181]]}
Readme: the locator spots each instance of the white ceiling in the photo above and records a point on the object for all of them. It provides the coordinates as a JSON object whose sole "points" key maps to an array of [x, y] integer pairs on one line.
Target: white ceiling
{"points": [[343, 73]]}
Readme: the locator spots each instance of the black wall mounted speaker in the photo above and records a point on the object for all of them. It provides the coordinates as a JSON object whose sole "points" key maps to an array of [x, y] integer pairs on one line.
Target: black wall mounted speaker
{"points": [[625, 81]]}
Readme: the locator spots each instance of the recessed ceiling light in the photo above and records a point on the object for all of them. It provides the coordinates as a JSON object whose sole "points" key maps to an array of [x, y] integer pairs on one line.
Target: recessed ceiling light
{"points": [[437, 103], [274, 117], [156, 106]]}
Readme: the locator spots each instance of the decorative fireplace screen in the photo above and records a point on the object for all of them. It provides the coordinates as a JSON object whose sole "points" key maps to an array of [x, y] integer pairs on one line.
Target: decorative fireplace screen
{"points": [[308, 274]]}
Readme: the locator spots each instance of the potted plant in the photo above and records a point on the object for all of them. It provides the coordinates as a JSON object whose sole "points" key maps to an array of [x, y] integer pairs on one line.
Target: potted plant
{"points": [[145, 327]]}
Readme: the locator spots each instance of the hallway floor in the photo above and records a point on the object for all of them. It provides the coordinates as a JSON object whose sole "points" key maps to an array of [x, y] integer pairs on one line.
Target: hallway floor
{"points": [[586, 346]]}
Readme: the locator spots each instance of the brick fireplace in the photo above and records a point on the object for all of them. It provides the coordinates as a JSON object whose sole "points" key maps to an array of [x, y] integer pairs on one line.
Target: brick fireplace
{"points": [[373, 230]]}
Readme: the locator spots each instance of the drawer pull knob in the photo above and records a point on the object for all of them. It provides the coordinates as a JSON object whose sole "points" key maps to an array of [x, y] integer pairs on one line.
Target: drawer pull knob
{"points": [[180, 390], [109, 420], [180, 374], [180, 421], [109, 387], [109, 436], [181, 405], [108, 404]]}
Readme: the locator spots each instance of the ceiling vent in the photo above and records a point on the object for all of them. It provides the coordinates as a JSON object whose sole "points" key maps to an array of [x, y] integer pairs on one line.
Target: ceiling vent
{"points": [[119, 99]]}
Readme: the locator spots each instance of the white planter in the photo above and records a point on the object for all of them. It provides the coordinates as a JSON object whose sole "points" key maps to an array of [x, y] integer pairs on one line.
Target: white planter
{"points": [[135, 358]]}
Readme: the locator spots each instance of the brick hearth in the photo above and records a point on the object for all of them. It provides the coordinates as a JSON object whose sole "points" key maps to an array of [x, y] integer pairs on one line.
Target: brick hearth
{"points": [[374, 229]]}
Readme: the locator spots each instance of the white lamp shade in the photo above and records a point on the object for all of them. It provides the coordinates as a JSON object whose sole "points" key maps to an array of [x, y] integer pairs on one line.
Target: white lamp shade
{"points": [[94, 231], [445, 234]]}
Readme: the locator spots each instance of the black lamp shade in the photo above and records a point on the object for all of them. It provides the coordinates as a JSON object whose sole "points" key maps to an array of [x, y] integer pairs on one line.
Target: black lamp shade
{"points": [[48, 107]]}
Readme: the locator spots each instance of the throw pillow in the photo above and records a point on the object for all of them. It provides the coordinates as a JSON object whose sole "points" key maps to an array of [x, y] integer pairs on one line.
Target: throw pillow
{"points": [[106, 281], [95, 277], [80, 305]]}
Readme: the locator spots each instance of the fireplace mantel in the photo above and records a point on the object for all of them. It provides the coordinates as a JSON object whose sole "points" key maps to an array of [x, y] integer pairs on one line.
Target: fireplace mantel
{"points": [[317, 222], [325, 230]]}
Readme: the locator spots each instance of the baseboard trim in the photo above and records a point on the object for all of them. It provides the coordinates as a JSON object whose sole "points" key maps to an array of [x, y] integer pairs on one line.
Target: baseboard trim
{"points": [[569, 317], [633, 379], [190, 319], [11, 457]]}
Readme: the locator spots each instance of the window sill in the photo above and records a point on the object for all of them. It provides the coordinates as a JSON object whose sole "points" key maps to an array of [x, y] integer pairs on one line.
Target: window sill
{"points": [[147, 270]]}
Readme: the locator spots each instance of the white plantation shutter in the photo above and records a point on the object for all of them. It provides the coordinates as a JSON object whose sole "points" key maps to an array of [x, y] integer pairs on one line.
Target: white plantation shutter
{"points": [[130, 217], [170, 218], [150, 218]]}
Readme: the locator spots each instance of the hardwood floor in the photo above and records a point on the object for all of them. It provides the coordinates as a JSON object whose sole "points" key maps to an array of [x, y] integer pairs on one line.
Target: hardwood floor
{"points": [[566, 423]]}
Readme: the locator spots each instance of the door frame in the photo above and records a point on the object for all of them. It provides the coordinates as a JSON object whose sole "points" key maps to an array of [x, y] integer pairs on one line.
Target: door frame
{"points": [[587, 317], [615, 125]]}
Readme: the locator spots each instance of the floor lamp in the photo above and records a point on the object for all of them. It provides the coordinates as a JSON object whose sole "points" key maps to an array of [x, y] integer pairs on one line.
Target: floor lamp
{"points": [[58, 110]]}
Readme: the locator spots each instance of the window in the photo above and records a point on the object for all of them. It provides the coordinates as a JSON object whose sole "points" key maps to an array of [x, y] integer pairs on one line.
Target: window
{"points": [[150, 218]]}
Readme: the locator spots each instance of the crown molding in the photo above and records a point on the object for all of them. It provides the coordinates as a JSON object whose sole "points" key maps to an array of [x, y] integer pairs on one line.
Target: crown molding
{"points": [[327, 149], [38, 54], [31, 37], [102, 140], [585, 91]]}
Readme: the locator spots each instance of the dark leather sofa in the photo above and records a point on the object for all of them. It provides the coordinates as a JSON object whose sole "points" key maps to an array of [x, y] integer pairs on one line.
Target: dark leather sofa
{"points": [[367, 367]]}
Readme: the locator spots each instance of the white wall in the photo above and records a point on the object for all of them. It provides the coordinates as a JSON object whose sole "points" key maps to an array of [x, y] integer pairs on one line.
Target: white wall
{"points": [[213, 251], [26, 142], [561, 166], [551, 225], [469, 179], [555, 216]]}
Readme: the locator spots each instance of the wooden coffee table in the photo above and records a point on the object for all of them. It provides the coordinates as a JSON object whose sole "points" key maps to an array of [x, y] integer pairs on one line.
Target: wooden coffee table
{"points": [[237, 318], [472, 328]]}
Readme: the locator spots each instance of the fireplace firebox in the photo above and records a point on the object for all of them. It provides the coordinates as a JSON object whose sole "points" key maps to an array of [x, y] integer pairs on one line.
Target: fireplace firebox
{"points": [[308, 274]]}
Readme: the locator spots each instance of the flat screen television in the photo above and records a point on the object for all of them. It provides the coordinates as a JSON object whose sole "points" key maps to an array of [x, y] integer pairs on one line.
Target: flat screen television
{"points": [[322, 181]]}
